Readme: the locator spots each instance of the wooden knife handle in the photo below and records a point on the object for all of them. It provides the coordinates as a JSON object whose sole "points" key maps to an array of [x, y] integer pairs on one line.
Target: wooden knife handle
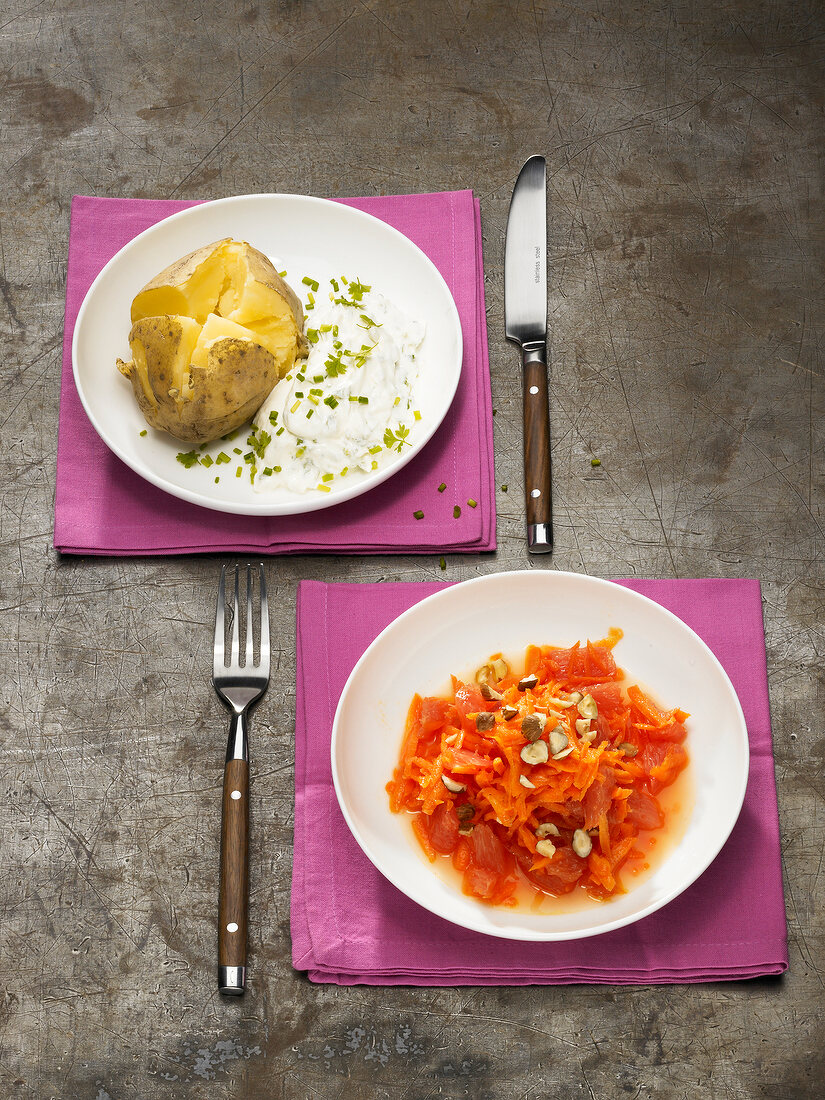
{"points": [[537, 483], [234, 889]]}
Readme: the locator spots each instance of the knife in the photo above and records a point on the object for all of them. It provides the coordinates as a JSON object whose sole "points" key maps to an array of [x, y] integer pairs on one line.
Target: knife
{"points": [[525, 322]]}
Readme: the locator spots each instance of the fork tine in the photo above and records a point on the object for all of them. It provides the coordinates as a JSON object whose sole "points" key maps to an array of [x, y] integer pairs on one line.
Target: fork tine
{"points": [[249, 658], [220, 625], [235, 654], [264, 658]]}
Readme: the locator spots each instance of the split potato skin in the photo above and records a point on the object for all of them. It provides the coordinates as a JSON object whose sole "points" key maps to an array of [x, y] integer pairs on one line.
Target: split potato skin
{"points": [[211, 335], [224, 393]]}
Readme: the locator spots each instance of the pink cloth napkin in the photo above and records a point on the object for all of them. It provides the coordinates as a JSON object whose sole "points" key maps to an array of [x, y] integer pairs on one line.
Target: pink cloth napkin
{"points": [[350, 926], [102, 507]]}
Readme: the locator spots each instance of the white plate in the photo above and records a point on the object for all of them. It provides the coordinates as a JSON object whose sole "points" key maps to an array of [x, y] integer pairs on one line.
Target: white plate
{"points": [[307, 236], [455, 631]]}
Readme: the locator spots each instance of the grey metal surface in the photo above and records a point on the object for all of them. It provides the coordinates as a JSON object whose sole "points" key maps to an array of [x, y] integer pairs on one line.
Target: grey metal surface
{"points": [[525, 256], [684, 146]]}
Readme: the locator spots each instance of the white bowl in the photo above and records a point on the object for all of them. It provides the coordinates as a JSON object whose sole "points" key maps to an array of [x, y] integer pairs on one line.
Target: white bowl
{"points": [[307, 236], [455, 631]]}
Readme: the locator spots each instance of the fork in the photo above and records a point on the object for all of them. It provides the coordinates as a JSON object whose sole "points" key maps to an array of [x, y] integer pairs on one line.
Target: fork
{"points": [[239, 687]]}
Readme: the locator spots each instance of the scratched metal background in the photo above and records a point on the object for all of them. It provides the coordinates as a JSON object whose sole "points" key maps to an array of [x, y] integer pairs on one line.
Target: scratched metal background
{"points": [[685, 144]]}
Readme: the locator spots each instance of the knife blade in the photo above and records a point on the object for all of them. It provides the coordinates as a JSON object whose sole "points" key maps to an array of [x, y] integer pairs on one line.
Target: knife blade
{"points": [[525, 323]]}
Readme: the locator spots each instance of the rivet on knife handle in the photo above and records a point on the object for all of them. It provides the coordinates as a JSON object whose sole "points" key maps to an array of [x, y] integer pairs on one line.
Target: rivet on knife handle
{"points": [[537, 480]]}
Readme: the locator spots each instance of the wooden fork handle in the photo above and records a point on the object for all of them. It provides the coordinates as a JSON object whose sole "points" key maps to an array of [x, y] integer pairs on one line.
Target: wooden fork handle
{"points": [[234, 884]]}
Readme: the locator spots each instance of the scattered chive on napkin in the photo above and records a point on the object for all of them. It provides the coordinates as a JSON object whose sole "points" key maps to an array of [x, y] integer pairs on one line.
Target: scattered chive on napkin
{"points": [[350, 926], [102, 507]]}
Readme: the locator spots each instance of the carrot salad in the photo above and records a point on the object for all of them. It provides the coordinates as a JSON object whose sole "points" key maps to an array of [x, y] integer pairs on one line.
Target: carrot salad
{"points": [[548, 778]]}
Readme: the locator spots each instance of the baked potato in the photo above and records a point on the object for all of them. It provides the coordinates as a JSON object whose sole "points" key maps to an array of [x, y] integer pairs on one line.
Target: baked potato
{"points": [[210, 337]]}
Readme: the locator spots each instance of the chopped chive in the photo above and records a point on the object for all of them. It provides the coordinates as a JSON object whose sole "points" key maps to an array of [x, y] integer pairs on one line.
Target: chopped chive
{"points": [[311, 283], [344, 471], [300, 377], [295, 406], [299, 393], [143, 432], [317, 378], [334, 283], [280, 431], [217, 479], [472, 503], [456, 512], [334, 330], [595, 462], [332, 401], [309, 413], [345, 280], [238, 471], [282, 273], [267, 471], [277, 469], [319, 393], [358, 290], [323, 488], [273, 418], [299, 452], [259, 441], [207, 460], [363, 401], [325, 328], [222, 458], [396, 402], [374, 450], [327, 477], [442, 486], [442, 563], [419, 514], [237, 451], [417, 414], [374, 465]]}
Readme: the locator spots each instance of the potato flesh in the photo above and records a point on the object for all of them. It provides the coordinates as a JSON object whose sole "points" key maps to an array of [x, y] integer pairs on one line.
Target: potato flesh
{"points": [[198, 296], [223, 286], [216, 328]]}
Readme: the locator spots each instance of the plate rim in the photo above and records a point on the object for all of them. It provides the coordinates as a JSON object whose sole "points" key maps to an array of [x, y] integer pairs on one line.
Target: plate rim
{"points": [[527, 936], [302, 506]]}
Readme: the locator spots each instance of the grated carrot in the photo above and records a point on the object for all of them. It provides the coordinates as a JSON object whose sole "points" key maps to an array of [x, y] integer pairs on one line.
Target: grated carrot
{"points": [[597, 785]]}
